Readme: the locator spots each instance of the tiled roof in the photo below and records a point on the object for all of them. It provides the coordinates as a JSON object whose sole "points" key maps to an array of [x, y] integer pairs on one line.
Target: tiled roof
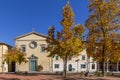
{"points": [[1, 43]]}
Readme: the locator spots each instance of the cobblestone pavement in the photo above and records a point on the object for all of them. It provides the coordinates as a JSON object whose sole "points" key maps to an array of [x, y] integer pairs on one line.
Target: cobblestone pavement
{"points": [[50, 77]]}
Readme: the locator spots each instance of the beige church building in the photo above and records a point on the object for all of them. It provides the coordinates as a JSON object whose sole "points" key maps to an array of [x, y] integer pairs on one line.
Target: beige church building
{"points": [[33, 44]]}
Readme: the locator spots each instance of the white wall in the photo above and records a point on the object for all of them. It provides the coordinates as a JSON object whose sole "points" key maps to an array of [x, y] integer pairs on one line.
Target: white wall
{"points": [[76, 64]]}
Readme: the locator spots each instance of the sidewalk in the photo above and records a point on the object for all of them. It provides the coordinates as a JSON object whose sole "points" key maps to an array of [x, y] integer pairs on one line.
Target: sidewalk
{"points": [[50, 77]]}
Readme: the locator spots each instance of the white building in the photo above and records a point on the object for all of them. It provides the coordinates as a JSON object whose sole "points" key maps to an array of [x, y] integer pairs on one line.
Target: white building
{"points": [[4, 67], [75, 64]]}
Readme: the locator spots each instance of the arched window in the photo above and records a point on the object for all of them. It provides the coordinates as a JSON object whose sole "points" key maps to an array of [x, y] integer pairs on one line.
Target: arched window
{"points": [[69, 67]]}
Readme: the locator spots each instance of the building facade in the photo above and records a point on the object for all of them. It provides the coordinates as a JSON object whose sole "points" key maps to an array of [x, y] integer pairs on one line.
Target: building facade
{"points": [[75, 64], [4, 67], [33, 44]]}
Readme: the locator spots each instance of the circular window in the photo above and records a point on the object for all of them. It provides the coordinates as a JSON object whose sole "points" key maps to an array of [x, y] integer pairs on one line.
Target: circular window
{"points": [[33, 44]]}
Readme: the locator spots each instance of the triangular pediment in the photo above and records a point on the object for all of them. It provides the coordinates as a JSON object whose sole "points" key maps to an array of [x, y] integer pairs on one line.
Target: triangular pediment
{"points": [[31, 36]]}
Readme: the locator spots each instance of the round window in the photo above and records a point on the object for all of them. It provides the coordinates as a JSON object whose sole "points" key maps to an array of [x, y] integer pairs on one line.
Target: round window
{"points": [[33, 44]]}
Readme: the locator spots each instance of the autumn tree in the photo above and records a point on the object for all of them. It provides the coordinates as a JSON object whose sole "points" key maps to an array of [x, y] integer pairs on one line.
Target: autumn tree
{"points": [[67, 42], [14, 55], [103, 26]]}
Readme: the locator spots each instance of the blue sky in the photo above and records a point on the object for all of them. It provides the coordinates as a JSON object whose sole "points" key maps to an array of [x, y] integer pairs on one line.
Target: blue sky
{"points": [[18, 17]]}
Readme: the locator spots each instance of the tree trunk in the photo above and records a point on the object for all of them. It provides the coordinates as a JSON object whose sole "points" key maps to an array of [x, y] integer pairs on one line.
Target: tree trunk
{"points": [[117, 68], [107, 65], [103, 61], [98, 66], [18, 67], [65, 67], [103, 68]]}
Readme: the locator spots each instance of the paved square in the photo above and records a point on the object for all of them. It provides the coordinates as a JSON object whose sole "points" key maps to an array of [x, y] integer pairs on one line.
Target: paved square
{"points": [[50, 77]]}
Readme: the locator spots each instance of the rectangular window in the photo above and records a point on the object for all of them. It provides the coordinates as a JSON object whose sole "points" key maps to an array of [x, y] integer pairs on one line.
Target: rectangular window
{"points": [[93, 66], [23, 48], [43, 48], [83, 57], [83, 66], [56, 57], [56, 66]]}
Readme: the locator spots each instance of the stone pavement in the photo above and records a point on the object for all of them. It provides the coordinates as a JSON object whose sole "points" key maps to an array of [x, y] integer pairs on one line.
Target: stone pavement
{"points": [[50, 77]]}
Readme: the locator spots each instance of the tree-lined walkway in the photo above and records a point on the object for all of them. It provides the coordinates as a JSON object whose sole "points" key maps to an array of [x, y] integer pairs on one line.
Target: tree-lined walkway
{"points": [[50, 77]]}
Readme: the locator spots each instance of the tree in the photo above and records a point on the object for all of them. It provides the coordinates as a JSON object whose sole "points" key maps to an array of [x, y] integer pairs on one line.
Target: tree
{"points": [[103, 26], [14, 55], [67, 42]]}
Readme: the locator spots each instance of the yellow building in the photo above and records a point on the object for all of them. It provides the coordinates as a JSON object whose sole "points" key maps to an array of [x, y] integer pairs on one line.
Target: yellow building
{"points": [[3, 65], [33, 44]]}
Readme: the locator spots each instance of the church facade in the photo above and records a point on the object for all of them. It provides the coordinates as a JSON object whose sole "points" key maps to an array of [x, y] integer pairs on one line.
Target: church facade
{"points": [[33, 44]]}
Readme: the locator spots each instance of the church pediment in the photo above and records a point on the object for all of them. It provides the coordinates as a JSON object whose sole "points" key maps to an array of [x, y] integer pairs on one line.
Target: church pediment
{"points": [[31, 35]]}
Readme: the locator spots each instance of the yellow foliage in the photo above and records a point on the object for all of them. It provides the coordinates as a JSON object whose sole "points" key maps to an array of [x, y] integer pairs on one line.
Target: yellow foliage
{"points": [[68, 42], [14, 55], [103, 25]]}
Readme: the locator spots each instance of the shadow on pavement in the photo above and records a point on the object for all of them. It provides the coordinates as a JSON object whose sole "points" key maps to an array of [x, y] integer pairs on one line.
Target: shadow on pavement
{"points": [[84, 79], [2, 78]]}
